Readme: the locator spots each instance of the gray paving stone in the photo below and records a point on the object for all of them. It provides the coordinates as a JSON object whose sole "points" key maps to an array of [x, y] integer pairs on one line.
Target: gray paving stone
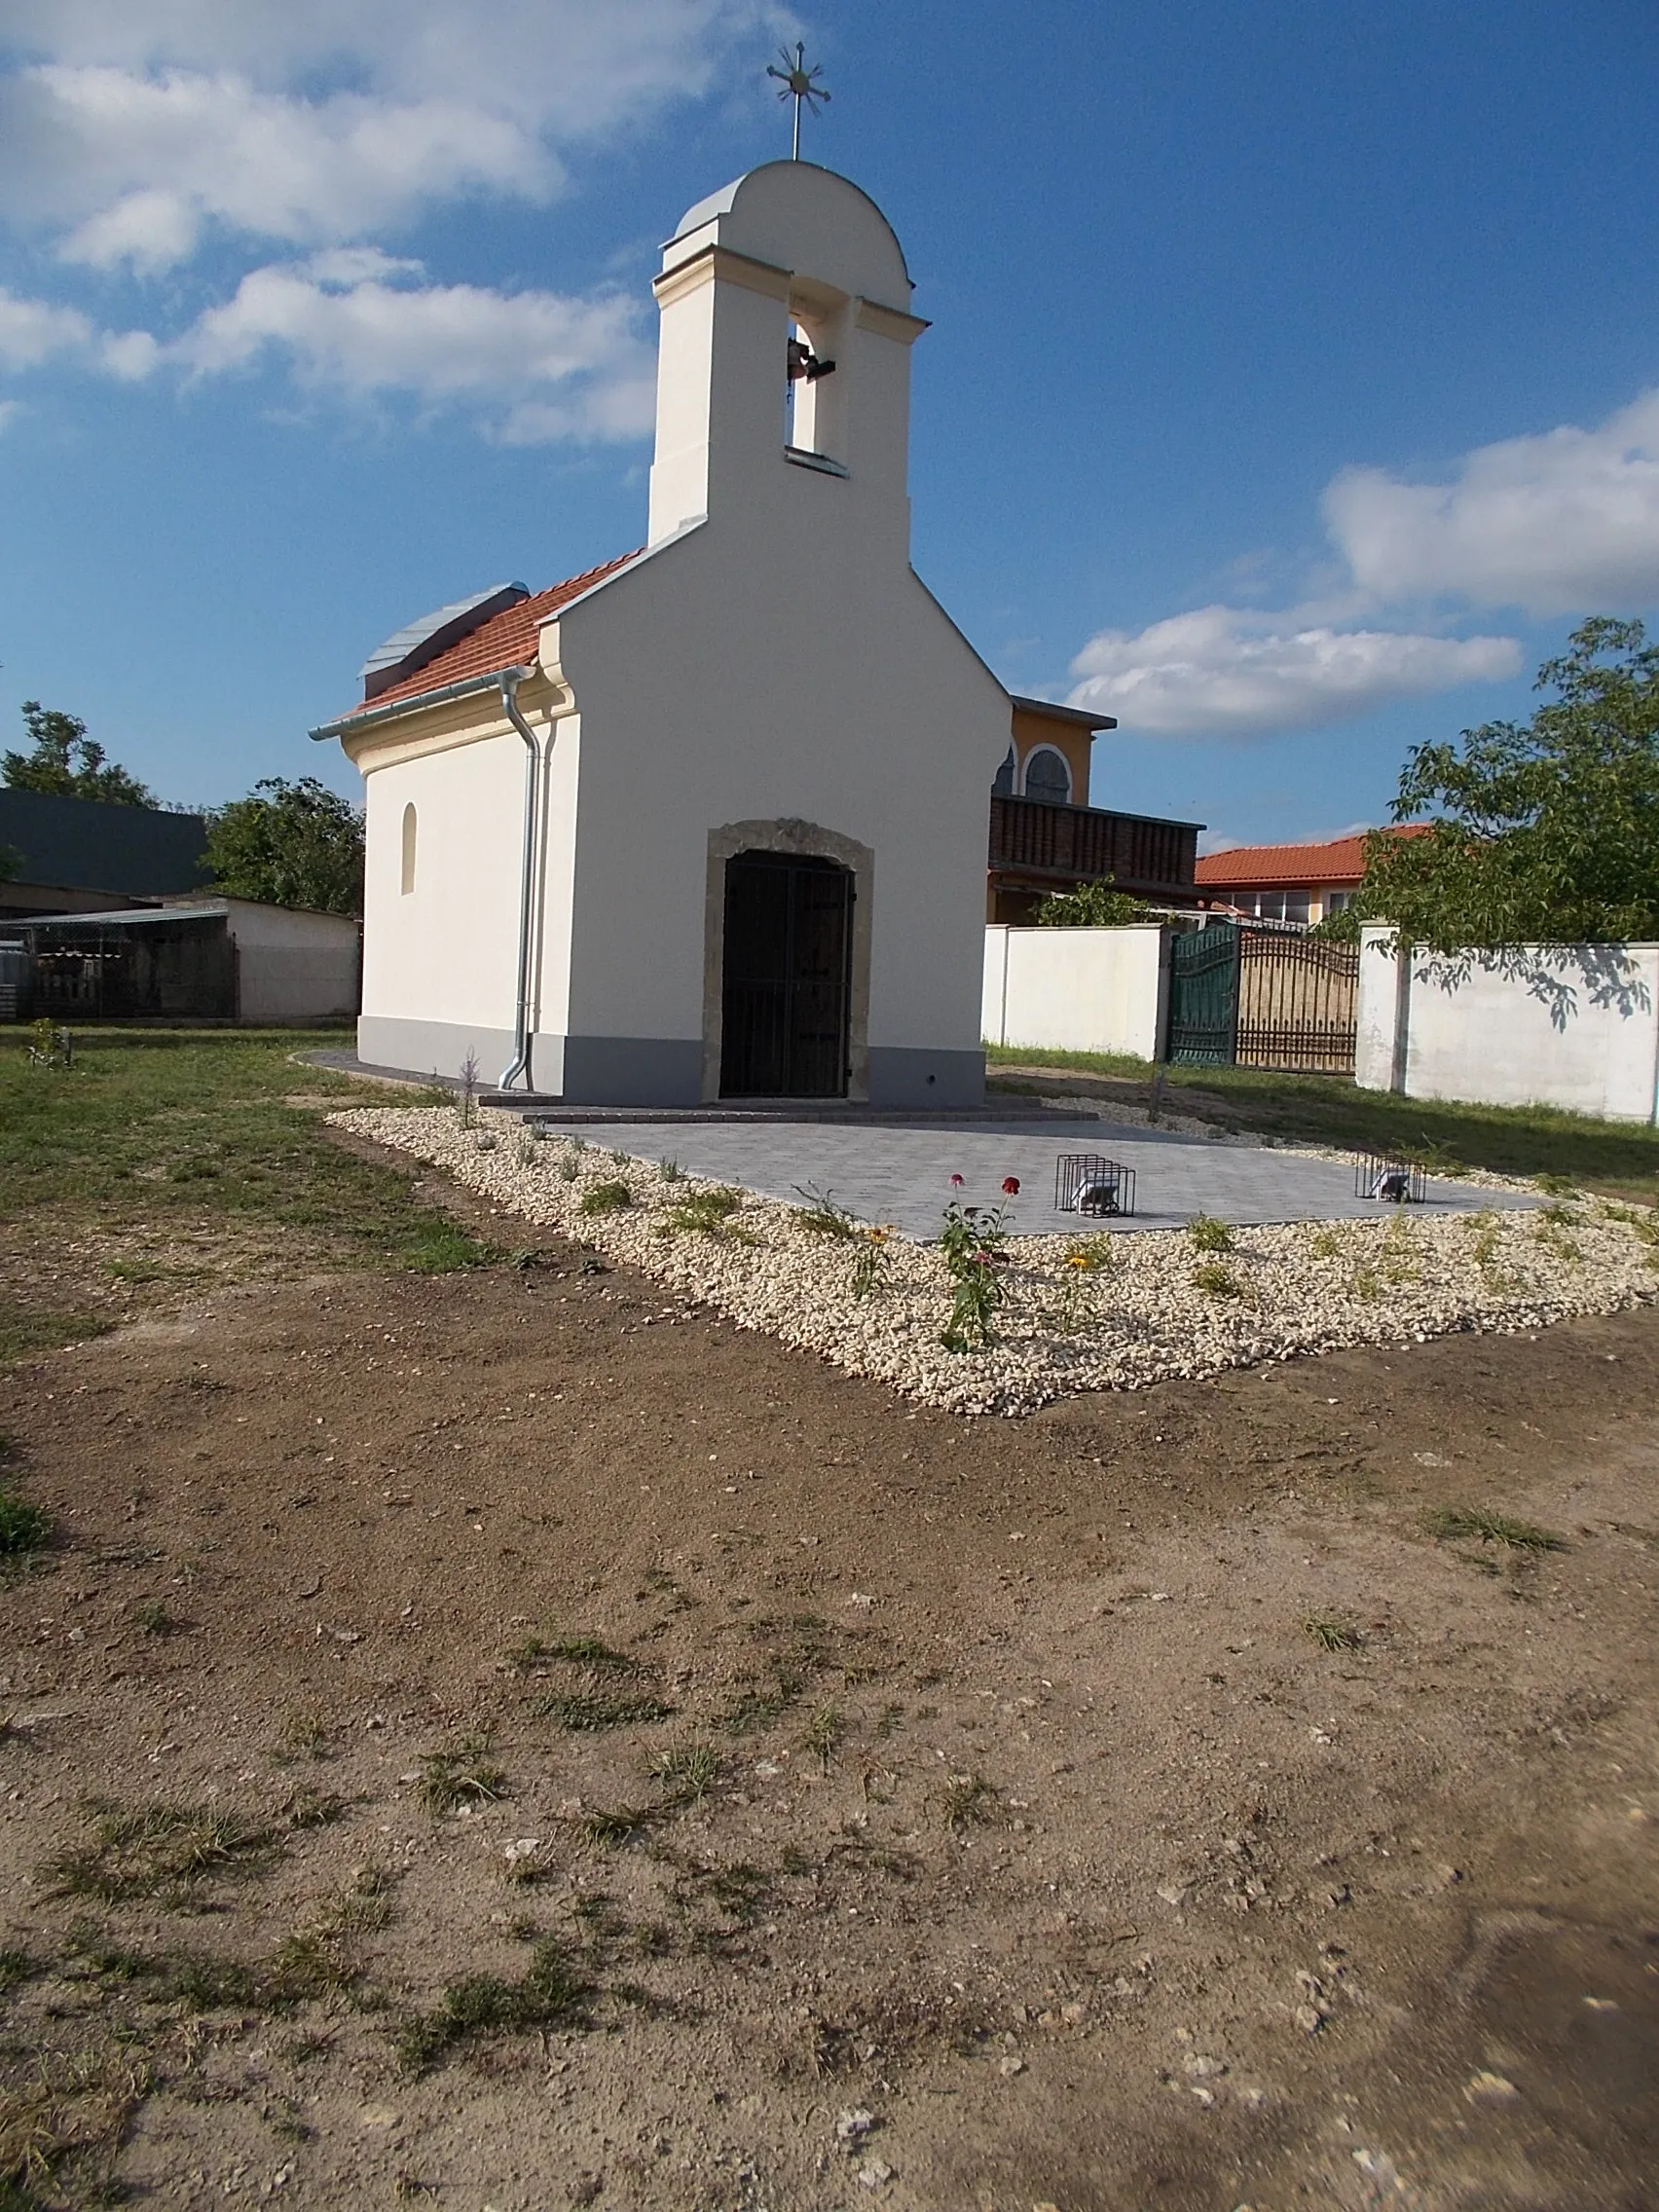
{"points": [[902, 1174]]}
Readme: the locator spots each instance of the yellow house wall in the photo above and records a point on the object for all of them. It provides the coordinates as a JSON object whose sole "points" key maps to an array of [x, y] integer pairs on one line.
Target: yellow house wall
{"points": [[1070, 739]]}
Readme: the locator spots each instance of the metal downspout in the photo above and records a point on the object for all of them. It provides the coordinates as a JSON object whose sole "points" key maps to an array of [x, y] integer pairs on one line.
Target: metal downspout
{"points": [[510, 680]]}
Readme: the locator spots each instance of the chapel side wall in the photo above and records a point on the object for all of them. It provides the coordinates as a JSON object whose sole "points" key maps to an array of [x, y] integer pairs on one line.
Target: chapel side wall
{"points": [[439, 977], [795, 672]]}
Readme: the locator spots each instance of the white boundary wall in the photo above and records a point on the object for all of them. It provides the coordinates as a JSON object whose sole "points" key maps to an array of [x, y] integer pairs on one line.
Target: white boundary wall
{"points": [[1078, 990], [1570, 1025]]}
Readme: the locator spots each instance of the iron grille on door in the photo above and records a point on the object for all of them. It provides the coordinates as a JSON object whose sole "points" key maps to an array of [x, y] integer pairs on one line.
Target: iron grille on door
{"points": [[789, 939]]}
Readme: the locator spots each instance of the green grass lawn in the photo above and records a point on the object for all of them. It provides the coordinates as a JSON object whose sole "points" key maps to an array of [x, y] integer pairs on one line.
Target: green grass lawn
{"points": [[1619, 1158], [166, 1155]]}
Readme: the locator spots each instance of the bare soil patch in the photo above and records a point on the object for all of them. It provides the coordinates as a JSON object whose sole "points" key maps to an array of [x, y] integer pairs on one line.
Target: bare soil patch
{"points": [[511, 1738]]}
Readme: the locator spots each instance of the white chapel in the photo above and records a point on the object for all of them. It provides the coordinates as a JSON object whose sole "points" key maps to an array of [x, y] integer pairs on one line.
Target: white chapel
{"points": [[709, 821]]}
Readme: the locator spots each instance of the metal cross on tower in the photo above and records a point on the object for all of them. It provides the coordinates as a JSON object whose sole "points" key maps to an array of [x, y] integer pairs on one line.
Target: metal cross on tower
{"points": [[800, 84]]}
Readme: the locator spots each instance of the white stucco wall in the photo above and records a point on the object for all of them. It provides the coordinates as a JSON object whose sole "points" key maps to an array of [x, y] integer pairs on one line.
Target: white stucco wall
{"points": [[1077, 990], [1574, 1026], [293, 965], [445, 951]]}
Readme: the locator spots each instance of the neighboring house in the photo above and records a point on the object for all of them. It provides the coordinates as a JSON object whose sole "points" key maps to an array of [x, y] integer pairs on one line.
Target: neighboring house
{"points": [[1288, 883], [77, 855], [709, 821], [203, 958], [1046, 836]]}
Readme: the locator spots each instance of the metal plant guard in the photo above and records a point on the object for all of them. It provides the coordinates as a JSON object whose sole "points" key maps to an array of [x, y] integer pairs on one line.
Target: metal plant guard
{"points": [[1397, 1182], [1087, 1181]]}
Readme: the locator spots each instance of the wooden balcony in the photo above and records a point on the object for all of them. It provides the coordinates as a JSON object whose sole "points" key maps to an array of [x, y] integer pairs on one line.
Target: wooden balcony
{"points": [[1052, 848]]}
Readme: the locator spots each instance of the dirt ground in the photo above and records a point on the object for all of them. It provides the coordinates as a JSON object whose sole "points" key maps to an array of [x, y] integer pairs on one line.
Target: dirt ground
{"points": [[504, 1740]]}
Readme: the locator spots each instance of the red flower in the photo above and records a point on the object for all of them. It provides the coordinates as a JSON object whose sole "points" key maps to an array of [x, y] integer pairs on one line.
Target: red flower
{"points": [[1011, 1186], [956, 1182]]}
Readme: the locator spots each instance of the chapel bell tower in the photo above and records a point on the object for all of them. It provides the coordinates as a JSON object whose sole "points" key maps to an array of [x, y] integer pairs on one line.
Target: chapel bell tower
{"points": [[785, 357]]}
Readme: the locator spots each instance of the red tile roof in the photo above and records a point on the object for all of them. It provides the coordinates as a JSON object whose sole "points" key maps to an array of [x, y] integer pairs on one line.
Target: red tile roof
{"points": [[508, 640], [1290, 867]]}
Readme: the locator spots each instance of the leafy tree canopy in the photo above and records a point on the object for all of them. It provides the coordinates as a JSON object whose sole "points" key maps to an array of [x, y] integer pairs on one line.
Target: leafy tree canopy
{"points": [[1542, 832], [1091, 906], [290, 845], [67, 764]]}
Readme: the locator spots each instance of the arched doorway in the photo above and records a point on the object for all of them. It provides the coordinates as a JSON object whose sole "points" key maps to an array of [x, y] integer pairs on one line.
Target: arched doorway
{"points": [[785, 976]]}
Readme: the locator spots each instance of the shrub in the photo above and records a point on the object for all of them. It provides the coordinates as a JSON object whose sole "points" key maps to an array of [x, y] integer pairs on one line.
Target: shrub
{"points": [[605, 1198]]}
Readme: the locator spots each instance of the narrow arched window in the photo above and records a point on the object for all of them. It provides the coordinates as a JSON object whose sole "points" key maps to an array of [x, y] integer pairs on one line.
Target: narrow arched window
{"points": [[1047, 776], [407, 873]]}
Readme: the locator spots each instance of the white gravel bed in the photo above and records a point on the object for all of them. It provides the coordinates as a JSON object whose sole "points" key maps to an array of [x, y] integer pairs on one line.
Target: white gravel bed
{"points": [[1155, 1307]]}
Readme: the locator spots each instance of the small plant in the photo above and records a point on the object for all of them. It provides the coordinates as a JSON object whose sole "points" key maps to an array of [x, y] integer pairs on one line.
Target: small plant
{"points": [[551, 1995], [868, 1261], [570, 1167], [49, 1046], [605, 1198], [24, 1528], [585, 1710], [157, 1849], [486, 1140], [1332, 1632], [971, 1242], [1326, 1242], [526, 1144], [1366, 1283], [970, 1802], [824, 1733], [466, 1776], [1398, 1258], [822, 1215], [467, 1097], [687, 1771], [1551, 1228], [1084, 1259], [1209, 1235], [709, 1213], [154, 1618], [619, 1826], [1217, 1279], [671, 1171], [1449, 1522]]}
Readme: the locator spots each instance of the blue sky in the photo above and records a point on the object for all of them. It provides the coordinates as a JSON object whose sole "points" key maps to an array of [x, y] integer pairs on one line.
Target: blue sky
{"points": [[1293, 384]]}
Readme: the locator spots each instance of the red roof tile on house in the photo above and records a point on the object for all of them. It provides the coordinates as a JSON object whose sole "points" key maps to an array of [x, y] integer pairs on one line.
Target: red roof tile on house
{"points": [[508, 640], [1292, 868]]}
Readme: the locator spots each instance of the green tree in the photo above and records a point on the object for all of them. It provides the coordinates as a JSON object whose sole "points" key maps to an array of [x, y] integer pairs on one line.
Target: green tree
{"points": [[1542, 832], [1091, 906], [67, 764], [290, 845]]}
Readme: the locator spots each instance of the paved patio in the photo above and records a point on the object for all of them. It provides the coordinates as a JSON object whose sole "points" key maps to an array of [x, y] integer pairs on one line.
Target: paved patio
{"points": [[902, 1174]]}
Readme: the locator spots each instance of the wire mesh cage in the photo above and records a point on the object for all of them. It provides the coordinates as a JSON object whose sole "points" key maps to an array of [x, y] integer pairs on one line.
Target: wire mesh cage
{"points": [[1397, 1180], [1087, 1181]]}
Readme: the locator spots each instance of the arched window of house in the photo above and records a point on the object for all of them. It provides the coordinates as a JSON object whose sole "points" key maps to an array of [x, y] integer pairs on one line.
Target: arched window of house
{"points": [[1002, 783], [1047, 776], [407, 871]]}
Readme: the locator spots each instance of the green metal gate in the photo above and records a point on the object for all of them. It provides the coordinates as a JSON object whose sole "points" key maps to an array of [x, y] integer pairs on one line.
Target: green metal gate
{"points": [[1203, 994]]}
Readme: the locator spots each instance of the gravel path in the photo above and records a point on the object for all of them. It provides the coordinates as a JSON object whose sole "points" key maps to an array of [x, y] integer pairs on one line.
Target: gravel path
{"points": [[1082, 1314]]}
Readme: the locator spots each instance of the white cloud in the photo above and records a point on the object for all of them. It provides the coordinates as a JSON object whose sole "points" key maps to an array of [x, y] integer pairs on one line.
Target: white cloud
{"points": [[1223, 670], [545, 366], [145, 163], [133, 125], [1555, 524], [10, 410], [32, 331]]}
